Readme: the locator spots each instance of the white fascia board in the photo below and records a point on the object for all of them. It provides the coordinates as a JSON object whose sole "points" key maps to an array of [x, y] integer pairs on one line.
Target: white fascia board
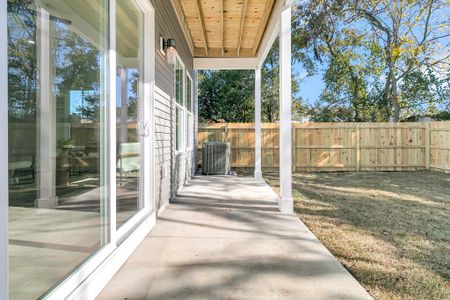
{"points": [[227, 63]]}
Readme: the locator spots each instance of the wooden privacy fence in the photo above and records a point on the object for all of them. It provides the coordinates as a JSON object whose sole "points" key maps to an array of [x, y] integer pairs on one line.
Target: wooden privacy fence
{"points": [[339, 146]]}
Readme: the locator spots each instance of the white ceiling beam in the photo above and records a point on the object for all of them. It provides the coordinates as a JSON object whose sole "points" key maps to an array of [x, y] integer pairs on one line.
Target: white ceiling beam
{"points": [[238, 63]]}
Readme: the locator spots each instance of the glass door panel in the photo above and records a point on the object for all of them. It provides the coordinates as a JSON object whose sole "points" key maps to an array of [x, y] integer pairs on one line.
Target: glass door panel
{"points": [[56, 107], [129, 106]]}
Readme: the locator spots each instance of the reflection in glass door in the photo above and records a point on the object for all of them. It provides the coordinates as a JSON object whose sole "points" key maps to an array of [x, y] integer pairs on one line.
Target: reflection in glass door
{"points": [[56, 140], [130, 124]]}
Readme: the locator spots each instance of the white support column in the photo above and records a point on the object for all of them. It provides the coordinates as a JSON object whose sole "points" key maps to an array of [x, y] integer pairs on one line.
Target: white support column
{"points": [[286, 202], [46, 132], [3, 152], [258, 172]]}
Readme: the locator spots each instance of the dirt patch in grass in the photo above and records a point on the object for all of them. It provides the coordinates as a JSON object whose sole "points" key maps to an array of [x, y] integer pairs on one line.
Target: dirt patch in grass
{"points": [[391, 230]]}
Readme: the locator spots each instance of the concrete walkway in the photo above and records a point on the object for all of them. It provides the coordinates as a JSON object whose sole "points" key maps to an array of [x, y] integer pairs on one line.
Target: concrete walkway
{"points": [[225, 239]]}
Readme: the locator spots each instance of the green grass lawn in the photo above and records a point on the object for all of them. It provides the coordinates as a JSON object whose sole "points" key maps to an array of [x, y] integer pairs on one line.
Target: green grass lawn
{"points": [[391, 230]]}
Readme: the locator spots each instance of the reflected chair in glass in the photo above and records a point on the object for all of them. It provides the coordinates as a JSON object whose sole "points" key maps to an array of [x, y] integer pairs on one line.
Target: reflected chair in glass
{"points": [[128, 159]]}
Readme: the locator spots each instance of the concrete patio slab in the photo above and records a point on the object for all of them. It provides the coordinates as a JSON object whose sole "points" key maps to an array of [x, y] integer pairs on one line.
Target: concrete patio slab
{"points": [[223, 238]]}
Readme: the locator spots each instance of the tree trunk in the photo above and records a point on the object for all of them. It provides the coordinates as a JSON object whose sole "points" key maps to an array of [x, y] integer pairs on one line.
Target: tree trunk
{"points": [[355, 100], [394, 96], [390, 90]]}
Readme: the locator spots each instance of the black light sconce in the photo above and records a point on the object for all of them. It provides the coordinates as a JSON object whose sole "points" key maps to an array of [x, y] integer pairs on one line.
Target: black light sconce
{"points": [[168, 48]]}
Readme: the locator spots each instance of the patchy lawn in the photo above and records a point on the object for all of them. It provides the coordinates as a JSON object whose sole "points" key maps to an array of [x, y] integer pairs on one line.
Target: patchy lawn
{"points": [[391, 230]]}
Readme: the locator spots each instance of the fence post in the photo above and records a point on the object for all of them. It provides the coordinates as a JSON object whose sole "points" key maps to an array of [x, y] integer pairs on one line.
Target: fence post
{"points": [[358, 146], [225, 133], [294, 147], [427, 145]]}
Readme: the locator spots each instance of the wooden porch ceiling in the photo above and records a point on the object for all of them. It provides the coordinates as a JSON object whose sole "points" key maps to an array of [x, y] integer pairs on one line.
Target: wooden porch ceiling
{"points": [[224, 28]]}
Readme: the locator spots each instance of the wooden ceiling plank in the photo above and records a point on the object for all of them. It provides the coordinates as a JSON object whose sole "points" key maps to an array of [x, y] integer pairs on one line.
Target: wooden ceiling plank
{"points": [[202, 25], [241, 28], [214, 25], [262, 26], [221, 27]]}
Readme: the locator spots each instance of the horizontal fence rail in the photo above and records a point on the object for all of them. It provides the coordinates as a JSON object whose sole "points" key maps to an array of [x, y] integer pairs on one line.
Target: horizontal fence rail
{"points": [[339, 146]]}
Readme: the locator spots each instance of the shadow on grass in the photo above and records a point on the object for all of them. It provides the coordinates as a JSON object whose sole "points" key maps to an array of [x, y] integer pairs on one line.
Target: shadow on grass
{"points": [[408, 210]]}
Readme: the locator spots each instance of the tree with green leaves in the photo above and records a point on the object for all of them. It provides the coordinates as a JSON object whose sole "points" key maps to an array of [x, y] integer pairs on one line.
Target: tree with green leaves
{"points": [[371, 52], [226, 96], [22, 76], [229, 95]]}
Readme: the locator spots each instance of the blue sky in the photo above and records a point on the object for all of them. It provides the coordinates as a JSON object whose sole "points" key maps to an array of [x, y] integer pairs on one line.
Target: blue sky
{"points": [[310, 87], [76, 98], [75, 101]]}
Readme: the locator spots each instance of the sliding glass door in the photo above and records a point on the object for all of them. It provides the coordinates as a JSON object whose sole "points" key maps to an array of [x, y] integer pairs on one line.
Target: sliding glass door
{"points": [[132, 127], [80, 168], [57, 140]]}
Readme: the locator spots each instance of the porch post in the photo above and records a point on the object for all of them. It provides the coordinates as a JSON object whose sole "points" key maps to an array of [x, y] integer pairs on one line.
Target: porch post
{"points": [[286, 203], [46, 132], [258, 173]]}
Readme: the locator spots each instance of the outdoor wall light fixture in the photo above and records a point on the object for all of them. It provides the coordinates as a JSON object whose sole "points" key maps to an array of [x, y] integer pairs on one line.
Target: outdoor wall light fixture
{"points": [[169, 47]]}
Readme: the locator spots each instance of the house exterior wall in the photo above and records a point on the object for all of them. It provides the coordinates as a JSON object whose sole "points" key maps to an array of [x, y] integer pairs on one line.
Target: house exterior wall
{"points": [[171, 169]]}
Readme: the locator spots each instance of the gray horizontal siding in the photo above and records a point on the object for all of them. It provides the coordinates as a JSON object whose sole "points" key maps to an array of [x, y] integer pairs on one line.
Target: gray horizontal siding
{"points": [[163, 146], [167, 26]]}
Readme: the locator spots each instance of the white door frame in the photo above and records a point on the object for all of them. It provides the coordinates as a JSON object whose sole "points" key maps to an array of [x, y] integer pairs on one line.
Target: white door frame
{"points": [[145, 116], [4, 151]]}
